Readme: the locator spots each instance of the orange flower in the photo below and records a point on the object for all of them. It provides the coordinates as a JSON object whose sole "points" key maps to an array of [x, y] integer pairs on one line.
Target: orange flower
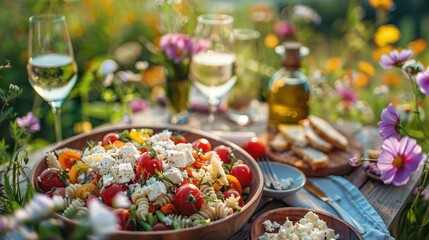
{"points": [[380, 51], [386, 34], [418, 46], [366, 67], [333, 64], [390, 79], [361, 79], [381, 4], [271, 41]]}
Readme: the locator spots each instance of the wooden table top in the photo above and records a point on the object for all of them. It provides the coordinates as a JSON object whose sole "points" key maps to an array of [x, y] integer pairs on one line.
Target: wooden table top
{"points": [[389, 201]]}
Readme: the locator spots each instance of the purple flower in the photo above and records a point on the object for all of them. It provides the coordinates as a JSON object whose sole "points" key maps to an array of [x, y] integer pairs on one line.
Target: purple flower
{"points": [[395, 58], [138, 105], [354, 161], [422, 79], [176, 46], [29, 122], [398, 159], [347, 94], [388, 126], [284, 29]]}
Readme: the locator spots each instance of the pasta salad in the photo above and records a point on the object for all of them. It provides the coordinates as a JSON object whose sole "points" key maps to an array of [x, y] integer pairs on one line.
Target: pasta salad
{"points": [[171, 183]]}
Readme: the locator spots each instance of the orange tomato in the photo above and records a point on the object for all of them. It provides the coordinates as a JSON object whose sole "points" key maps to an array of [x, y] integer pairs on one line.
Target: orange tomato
{"points": [[77, 170], [68, 158], [86, 190], [168, 208], [234, 183]]}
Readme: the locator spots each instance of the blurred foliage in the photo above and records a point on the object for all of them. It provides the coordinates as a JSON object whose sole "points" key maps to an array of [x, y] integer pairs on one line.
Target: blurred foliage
{"points": [[342, 50]]}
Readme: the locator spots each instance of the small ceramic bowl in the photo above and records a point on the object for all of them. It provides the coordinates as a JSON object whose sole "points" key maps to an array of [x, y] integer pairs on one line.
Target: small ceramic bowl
{"points": [[283, 171], [279, 215]]}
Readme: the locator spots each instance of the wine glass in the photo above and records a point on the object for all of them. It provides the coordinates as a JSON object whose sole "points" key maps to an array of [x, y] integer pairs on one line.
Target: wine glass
{"points": [[212, 71], [52, 70]]}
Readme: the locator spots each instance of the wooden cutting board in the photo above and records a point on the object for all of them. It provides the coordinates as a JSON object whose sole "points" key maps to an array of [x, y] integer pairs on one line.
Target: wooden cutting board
{"points": [[338, 159]]}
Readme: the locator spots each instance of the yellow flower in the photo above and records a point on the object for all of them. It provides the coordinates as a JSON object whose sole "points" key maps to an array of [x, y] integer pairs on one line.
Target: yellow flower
{"points": [[333, 64], [366, 67], [390, 79], [360, 80], [381, 4], [82, 127], [271, 41], [418, 46], [380, 51], [386, 34]]}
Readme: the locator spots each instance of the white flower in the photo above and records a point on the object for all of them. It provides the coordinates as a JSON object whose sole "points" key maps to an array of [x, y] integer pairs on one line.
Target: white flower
{"points": [[102, 220], [121, 201], [108, 66]]}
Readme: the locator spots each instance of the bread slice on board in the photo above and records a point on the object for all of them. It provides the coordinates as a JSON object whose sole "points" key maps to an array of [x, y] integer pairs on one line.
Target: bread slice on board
{"points": [[279, 142], [312, 156], [294, 134], [315, 140], [326, 131]]}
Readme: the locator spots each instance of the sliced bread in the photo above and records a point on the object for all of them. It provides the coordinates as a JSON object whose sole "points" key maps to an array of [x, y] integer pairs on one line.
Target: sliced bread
{"points": [[326, 131], [294, 134], [315, 158], [315, 140], [279, 142]]}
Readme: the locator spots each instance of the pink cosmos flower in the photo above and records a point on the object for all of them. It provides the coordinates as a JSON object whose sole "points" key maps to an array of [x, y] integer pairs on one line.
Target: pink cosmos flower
{"points": [[347, 94], [388, 126], [355, 161], [176, 46], [395, 58], [398, 159], [422, 79], [138, 105], [29, 122], [284, 29]]}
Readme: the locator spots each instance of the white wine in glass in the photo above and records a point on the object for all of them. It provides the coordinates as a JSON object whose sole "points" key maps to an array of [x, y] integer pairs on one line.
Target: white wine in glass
{"points": [[52, 70], [213, 71]]}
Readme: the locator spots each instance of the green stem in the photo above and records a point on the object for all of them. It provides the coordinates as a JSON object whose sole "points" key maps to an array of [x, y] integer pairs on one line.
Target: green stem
{"points": [[424, 181]]}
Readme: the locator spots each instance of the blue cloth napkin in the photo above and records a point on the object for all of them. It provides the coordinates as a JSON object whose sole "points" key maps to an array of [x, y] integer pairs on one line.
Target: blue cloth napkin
{"points": [[349, 198]]}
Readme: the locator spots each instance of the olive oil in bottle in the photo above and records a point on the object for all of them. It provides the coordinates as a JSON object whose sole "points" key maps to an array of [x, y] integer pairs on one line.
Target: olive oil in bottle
{"points": [[288, 90]]}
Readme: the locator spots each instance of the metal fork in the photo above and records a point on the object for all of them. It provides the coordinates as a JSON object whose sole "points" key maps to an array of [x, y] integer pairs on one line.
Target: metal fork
{"points": [[270, 177]]}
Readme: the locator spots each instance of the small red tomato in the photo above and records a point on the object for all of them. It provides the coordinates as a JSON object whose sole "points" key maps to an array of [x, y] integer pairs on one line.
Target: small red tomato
{"points": [[147, 165], [125, 220], [232, 192], [224, 153], [202, 144], [255, 148], [51, 178], [107, 193], [243, 173], [188, 199], [178, 138], [110, 138]]}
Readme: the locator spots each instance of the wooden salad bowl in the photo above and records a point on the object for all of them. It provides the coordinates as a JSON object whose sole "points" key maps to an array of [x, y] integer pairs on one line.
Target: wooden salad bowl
{"points": [[219, 229]]}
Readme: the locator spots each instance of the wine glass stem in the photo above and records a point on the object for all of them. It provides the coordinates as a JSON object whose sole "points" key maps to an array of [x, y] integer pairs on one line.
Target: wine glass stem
{"points": [[57, 120], [213, 107]]}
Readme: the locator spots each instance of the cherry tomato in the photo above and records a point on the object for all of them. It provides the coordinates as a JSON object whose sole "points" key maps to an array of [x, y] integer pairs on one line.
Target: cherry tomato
{"points": [[188, 199], [77, 170], [178, 138], [86, 190], [234, 183], [107, 193], [224, 153], [125, 220], [51, 178], [161, 227], [231, 192], [243, 173], [68, 158], [255, 148], [202, 144], [190, 180], [147, 164], [110, 138]]}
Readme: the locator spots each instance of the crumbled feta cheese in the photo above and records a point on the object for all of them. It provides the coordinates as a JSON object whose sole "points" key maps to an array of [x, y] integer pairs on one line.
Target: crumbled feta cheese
{"points": [[108, 179], [106, 164], [174, 174], [154, 190], [122, 172], [286, 183], [176, 158]]}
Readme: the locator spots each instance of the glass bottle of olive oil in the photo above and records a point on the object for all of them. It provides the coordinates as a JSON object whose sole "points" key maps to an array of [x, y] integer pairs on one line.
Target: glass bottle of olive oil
{"points": [[288, 90]]}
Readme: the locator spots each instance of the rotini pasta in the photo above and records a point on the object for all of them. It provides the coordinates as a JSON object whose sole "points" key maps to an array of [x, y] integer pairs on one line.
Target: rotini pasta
{"points": [[142, 203], [164, 199], [52, 160], [76, 205], [70, 191]]}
